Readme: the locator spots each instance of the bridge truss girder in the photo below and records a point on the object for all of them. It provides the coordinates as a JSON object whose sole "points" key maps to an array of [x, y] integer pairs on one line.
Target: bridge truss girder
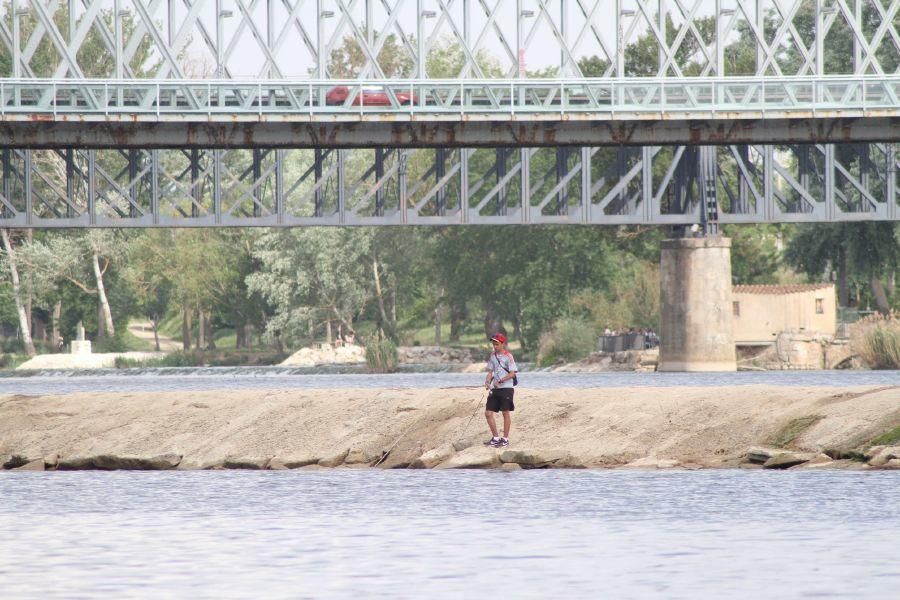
{"points": [[662, 185], [299, 38]]}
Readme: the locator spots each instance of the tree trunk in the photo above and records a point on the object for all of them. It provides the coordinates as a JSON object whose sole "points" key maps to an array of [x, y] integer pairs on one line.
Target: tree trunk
{"points": [[843, 284], [248, 335], [492, 322], [279, 344], [517, 331], [437, 317], [207, 320], [457, 320], [186, 328], [201, 330], [101, 293], [393, 307], [892, 283], [29, 286], [379, 296], [154, 320], [881, 300], [24, 323], [54, 320], [328, 330], [437, 325], [239, 336], [101, 325]]}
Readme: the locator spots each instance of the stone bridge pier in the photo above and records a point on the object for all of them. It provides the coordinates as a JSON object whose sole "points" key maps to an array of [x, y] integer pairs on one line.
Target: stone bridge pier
{"points": [[696, 331]]}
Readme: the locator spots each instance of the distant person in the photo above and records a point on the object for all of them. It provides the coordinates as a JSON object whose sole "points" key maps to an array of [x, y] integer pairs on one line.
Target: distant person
{"points": [[501, 378]]}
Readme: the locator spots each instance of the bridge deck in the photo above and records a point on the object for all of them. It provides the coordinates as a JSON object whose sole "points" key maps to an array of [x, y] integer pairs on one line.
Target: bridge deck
{"points": [[417, 113]]}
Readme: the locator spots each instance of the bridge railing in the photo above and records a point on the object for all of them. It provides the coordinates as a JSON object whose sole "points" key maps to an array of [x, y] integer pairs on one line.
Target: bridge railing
{"points": [[637, 98]]}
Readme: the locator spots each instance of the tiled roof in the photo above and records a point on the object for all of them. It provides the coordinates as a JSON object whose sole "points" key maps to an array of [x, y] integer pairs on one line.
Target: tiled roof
{"points": [[780, 289]]}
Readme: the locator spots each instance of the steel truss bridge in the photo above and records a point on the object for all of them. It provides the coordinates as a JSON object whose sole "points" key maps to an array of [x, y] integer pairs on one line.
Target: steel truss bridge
{"points": [[142, 113]]}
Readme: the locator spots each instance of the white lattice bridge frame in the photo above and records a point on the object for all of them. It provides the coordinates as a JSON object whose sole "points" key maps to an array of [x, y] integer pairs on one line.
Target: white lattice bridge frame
{"points": [[133, 135]]}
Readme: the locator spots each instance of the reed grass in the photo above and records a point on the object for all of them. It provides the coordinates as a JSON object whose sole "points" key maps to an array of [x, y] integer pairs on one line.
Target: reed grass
{"points": [[381, 356], [878, 343]]}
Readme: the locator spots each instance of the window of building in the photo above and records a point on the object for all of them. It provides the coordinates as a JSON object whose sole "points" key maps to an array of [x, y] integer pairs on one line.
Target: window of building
{"points": [[736, 308], [820, 306]]}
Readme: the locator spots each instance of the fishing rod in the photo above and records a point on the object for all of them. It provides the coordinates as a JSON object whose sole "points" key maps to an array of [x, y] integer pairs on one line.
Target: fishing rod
{"points": [[469, 422], [386, 453]]}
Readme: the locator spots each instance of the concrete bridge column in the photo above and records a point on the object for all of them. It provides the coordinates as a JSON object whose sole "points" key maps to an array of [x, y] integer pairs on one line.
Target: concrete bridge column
{"points": [[696, 331]]}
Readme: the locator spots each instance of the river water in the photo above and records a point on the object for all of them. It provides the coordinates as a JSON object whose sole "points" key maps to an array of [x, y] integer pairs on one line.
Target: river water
{"points": [[415, 534], [427, 534], [230, 378]]}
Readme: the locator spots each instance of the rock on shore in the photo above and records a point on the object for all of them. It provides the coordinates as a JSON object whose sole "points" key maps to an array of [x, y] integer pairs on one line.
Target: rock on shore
{"points": [[639, 428], [326, 354]]}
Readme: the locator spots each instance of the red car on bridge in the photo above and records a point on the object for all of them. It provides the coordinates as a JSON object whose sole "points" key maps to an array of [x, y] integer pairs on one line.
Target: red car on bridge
{"points": [[368, 96]]}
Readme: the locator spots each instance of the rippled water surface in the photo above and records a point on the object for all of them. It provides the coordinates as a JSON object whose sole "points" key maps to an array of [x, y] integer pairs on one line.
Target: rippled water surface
{"points": [[64, 382], [415, 534]]}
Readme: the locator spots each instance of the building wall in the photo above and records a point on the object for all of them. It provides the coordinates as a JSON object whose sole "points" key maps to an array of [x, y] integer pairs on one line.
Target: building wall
{"points": [[762, 316]]}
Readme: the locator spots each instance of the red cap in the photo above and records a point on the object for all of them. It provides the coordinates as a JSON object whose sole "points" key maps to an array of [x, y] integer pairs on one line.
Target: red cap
{"points": [[498, 337]]}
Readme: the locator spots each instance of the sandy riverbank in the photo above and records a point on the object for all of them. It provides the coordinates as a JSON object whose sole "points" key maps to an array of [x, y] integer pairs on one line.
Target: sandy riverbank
{"points": [[645, 427]]}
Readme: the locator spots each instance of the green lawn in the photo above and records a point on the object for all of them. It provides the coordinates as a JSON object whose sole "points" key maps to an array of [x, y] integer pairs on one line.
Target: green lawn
{"points": [[136, 344], [471, 338]]}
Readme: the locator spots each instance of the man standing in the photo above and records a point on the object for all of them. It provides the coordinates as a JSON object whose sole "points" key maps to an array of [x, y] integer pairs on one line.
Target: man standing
{"points": [[501, 378]]}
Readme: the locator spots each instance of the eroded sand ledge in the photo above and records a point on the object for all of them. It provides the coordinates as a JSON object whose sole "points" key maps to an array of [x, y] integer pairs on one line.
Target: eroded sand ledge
{"points": [[611, 427]]}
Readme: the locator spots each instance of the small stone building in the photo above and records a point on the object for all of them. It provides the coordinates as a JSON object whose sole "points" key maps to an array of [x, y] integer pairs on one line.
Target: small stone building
{"points": [[761, 312]]}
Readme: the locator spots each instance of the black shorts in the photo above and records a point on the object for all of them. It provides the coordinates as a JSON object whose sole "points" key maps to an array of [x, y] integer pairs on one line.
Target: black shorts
{"points": [[500, 399]]}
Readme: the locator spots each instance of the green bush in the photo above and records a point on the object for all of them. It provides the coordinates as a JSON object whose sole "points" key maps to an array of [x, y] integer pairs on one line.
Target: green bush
{"points": [[183, 358], [880, 346], [125, 363], [115, 343], [11, 361], [11, 346], [197, 358], [381, 356], [570, 339], [173, 359]]}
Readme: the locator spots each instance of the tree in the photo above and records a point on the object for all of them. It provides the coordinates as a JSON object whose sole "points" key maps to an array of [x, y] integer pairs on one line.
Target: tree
{"points": [[865, 253], [348, 60], [757, 251], [198, 263], [10, 259], [147, 277], [524, 277], [313, 277], [82, 259]]}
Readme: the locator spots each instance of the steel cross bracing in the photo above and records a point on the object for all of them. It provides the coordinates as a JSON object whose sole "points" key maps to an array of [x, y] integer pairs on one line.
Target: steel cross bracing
{"points": [[449, 100], [459, 39], [145, 51], [707, 71], [598, 185]]}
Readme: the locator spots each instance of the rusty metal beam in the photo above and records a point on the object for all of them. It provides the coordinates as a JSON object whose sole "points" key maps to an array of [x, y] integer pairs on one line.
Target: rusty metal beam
{"points": [[442, 134]]}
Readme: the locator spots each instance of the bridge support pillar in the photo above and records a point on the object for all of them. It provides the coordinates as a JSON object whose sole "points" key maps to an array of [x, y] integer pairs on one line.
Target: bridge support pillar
{"points": [[696, 331]]}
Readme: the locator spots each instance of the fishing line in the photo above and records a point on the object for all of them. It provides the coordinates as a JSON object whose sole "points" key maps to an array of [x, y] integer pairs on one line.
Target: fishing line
{"points": [[387, 452], [475, 412]]}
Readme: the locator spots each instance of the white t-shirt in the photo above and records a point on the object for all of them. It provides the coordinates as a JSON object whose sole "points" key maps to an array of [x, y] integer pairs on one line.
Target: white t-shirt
{"points": [[501, 364]]}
